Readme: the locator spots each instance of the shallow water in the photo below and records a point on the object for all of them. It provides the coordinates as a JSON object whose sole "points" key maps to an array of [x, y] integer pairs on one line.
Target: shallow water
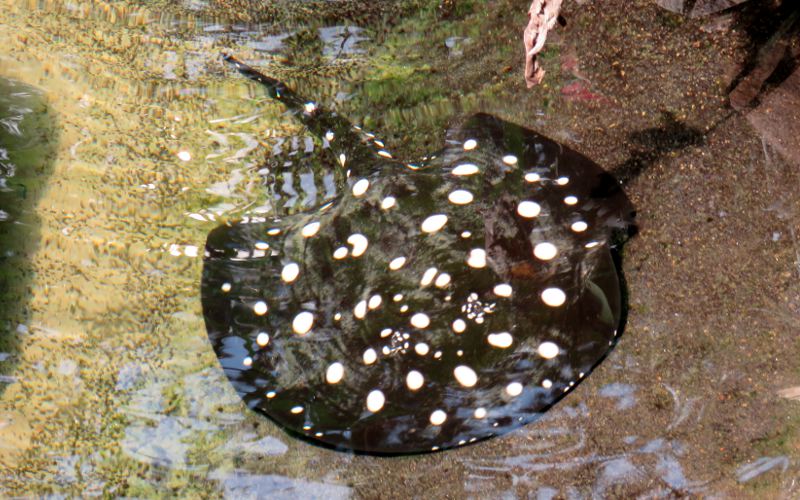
{"points": [[109, 384]]}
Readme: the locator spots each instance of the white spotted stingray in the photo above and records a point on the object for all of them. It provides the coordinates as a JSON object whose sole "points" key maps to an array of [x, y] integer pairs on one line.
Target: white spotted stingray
{"points": [[427, 305]]}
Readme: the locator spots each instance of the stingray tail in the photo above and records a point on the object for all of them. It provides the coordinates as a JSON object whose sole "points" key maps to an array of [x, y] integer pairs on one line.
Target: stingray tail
{"points": [[339, 132]]}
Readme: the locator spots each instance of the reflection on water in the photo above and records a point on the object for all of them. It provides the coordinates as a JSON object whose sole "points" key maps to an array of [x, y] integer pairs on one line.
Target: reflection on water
{"points": [[110, 385]]}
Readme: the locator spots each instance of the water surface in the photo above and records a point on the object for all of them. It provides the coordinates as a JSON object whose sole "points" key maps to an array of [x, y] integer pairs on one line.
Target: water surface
{"points": [[109, 384]]}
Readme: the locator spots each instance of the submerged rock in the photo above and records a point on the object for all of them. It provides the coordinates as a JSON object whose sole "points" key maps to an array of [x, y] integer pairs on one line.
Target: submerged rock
{"points": [[428, 305], [698, 8], [777, 118]]}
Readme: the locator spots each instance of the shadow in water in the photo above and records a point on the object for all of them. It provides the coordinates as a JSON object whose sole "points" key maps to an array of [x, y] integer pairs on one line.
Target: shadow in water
{"points": [[652, 144], [28, 140]]}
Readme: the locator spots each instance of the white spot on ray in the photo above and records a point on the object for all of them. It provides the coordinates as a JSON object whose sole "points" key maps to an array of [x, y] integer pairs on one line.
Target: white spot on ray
{"points": [[480, 413], [547, 350], [388, 202], [470, 144], [442, 280], [290, 272], [397, 263], [414, 380], [433, 223], [503, 340], [310, 230], [528, 209], [260, 308], [359, 242], [428, 275], [579, 226], [375, 401], [545, 251], [514, 389], [477, 258], [438, 417], [459, 326], [554, 297], [460, 197], [302, 323], [465, 375], [335, 373], [375, 302], [360, 187], [360, 310], [262, 339], [422, 348], [340, 253], [532, 177], [571, 200], [503, 290], [370, 356], [420, 320], [465, 169], [510, 160]]}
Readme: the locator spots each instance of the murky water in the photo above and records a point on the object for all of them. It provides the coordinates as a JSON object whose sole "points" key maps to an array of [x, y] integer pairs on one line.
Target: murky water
{"points": [[134, 141]]}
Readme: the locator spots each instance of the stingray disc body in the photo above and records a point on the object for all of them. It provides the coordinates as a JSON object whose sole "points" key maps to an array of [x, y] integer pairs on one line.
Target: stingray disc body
{"points": [[424, 308]]}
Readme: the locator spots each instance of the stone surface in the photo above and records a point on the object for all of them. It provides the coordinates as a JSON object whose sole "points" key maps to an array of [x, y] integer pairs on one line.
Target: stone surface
{"points": [[672, 5], [750, 86], [777, 118], [708, 7], [699, 8]]}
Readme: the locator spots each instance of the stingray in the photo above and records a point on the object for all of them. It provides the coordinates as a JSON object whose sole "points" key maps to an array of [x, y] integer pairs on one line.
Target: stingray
{"points": [[427, 305]]}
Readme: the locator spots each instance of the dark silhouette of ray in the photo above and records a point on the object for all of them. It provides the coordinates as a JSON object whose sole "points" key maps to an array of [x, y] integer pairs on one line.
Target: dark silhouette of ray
{"points": [[429, 304]]}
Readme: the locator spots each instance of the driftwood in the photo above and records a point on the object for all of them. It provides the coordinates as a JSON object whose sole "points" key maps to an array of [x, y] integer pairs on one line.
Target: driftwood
{"points": [[542, 17]]}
